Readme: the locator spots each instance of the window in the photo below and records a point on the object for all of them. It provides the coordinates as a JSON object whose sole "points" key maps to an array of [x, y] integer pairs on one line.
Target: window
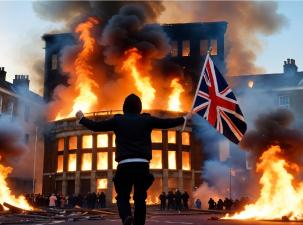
{"points": [[101, 184], [102, 140], [86, 162], [214, 47], [172, 165], [185, 138], [115, 164], [185, 48], [60, 164], [54, 62], [72, 143], [284, 101], [26, 113], [87, 141], [203, 47], [72, 162], [102, 162], [114, 140], [171, 135], [156, 162], [174, 49], [185, 161], [60, 144], [156, 136]]}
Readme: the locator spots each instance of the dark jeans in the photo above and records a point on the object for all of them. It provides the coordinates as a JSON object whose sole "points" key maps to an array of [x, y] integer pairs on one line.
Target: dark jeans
{"points": [[130, 175]]}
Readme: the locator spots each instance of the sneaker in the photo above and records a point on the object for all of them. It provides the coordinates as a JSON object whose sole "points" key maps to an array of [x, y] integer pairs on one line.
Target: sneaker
{"points": [[128, 220]]}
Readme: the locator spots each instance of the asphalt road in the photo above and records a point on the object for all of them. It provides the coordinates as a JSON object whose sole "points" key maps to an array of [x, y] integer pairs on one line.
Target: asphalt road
{"points": [[182, 220]]}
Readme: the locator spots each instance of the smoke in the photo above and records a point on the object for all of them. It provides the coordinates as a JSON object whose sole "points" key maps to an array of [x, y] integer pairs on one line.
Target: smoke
{"points": [[70, 12], [12, 140], [275, 128], [247, 20]]}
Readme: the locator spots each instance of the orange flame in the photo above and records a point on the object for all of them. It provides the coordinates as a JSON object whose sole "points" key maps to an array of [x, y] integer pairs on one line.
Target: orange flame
{"points": [[174, 103], [143, 84], [83, 70], [5, 192], [279, 196]]}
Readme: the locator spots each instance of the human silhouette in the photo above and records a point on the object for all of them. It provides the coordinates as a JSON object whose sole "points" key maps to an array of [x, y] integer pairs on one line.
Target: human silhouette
{"points": [[133, 153]]}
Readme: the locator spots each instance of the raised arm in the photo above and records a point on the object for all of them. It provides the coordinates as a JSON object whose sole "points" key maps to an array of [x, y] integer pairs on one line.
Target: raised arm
{"points": [[161, 123], [105, 125]]}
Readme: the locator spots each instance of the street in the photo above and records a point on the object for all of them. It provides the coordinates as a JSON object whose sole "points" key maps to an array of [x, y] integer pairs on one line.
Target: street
{"points": [[181, 220]]}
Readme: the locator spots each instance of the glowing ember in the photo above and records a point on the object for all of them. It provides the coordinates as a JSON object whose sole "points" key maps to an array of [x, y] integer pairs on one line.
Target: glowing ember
{"points": [[5, 192], [174, 103], [83, 70], [143, 84], [279, 195]]}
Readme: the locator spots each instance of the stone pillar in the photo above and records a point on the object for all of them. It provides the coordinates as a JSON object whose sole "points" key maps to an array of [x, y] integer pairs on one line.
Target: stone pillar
{"points": [[77, 182], [93, 179], [64, 184], [165, 181], [180, 180]]}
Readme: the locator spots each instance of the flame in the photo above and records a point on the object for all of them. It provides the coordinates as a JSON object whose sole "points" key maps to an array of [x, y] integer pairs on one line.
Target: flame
{"points": [[172, 160], [83, 71], [174, 103], [143, 84], [171, 136], [87, 141], [279, 196], [156, 136], [60, 164], [5, 192], [102, 183], [156, 161], [86, 162], [185, 160], [72, 162], [102, 140], [102, 161]]}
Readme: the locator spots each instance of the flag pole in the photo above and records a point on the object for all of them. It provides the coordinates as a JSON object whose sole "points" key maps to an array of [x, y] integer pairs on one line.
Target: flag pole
{"points": [[197, 90]]}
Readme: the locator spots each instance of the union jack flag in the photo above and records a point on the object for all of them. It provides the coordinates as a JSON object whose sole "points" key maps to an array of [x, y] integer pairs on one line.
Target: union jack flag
{"points": [[216, 103]]}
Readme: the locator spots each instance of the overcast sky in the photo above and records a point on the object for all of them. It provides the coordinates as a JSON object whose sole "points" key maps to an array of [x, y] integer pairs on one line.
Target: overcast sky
{"points": [[22, 46]]}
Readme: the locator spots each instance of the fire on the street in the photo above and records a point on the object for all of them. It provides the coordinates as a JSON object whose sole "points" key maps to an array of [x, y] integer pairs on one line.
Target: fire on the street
{"points": [[281, 195], [5, 192]]}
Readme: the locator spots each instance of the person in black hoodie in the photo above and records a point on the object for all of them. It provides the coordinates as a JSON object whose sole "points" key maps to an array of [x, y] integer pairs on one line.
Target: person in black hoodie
{"points": [[133, 153]]}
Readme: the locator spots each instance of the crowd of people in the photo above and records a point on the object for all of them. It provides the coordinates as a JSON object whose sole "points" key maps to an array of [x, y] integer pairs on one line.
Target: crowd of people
{"points": [[90, 200], [174, 201], [228, 204]]}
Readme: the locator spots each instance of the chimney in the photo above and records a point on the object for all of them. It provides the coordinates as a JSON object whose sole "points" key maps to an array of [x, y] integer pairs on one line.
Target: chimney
{"points": [[21, 82], [290, 67], [2, 74]]}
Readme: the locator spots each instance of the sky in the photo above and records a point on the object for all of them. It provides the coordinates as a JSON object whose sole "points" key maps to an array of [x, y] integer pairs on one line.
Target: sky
{"points": [[21, 43]]}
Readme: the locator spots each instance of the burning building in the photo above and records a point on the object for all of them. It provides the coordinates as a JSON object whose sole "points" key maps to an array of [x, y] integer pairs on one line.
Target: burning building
{"points": [[79, 161]]}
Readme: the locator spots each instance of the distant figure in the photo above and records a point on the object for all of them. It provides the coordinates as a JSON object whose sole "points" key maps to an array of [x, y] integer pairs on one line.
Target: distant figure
{"points": [[185, 197], [220, 204], [228, 203], [211, 204], [52, 201], [178, 200], [102, 199], [162, 198], [198, 203], [133, 153], [170, 200]]}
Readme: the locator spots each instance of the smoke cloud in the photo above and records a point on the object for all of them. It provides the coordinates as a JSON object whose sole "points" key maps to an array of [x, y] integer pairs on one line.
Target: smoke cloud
{"points": [[275, 128], [12, 142]]}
